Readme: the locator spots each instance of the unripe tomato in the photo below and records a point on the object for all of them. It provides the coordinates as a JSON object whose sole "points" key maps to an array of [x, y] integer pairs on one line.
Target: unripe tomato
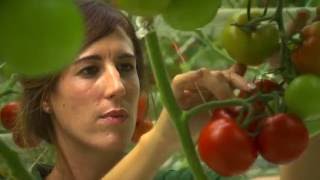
{"points": [[190, 14], [282, 138], [250, 47], [302, 96], [39, 37], [9, 115], [226, 148], [306, 57], [142, 7]]}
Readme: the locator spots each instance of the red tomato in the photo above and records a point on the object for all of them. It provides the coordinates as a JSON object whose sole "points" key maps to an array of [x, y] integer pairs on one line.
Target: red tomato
{"points": [[142, 127], [282, 138], [9, 115], [226, 148], [142, 107], [306, 57]]}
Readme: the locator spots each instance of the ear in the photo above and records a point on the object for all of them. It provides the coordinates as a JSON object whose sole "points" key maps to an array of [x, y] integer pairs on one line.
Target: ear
{"points": [[46, 106]]}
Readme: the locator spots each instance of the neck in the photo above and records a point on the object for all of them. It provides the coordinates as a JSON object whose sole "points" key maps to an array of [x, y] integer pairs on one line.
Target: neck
{"points": [[83, 164]]}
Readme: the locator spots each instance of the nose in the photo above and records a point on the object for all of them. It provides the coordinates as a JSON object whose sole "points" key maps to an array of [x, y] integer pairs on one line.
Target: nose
{"points": [[114, 85]]}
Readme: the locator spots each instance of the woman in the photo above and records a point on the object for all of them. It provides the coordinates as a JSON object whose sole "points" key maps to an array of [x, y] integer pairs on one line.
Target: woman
{"points": [[88, 110]]}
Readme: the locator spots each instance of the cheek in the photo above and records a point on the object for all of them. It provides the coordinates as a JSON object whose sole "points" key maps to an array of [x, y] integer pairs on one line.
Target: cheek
{"points": [[133, 89], [73, 99]]}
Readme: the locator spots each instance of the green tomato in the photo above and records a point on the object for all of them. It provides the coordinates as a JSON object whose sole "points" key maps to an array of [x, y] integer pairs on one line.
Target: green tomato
{"points": [[40, 37], [142, 7], [303, 98], [250, 47], [190, 14]]}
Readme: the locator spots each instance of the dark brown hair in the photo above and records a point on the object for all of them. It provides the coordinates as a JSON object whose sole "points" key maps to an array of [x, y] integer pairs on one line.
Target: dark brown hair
{"points": [[100, 20]]}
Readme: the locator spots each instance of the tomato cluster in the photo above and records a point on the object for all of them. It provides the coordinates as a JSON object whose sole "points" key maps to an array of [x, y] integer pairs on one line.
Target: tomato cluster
{"points": [[229, 147], [8, 114], [302, 95], [230, 150]]}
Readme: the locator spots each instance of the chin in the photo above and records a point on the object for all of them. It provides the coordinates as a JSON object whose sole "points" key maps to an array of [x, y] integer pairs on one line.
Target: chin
{"points": [[113, 143]]}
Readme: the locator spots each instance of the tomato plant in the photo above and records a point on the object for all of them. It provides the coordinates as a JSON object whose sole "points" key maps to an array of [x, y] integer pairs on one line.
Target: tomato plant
{"points": [[184, 14], [226, 148], [306, 56], [142, 7], [282, 138], [250, 46], [263, 86], [31, 43], [233, 113], [9, 115]]}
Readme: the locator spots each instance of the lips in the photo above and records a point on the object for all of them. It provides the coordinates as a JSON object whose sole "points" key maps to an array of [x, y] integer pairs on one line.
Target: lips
{"points": [[114, 116]]}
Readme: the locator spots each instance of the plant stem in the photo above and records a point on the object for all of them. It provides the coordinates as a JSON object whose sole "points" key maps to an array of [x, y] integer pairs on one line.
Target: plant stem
{"points": [[289, 71], [212, 104], [249, 10], [13, 161], [171, 105]]}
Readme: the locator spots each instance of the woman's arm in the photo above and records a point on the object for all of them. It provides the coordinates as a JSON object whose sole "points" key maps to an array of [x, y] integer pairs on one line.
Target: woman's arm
{"points": [[147, 156], [307, 166]]}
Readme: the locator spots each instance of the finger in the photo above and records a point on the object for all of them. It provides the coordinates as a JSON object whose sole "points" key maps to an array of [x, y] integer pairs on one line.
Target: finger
{"points": [[238, 68], [195, 97], [238, 81], [218, 85], [186, 80]]}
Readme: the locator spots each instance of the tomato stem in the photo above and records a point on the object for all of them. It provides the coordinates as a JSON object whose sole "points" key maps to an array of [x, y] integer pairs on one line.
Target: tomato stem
{"points": [[213, 104], [249, 10], [168, 99], [288, 70]]}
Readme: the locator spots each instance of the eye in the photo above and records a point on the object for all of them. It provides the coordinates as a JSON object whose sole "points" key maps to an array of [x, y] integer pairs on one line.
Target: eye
{"points": [[89, 71], [125, 67]]}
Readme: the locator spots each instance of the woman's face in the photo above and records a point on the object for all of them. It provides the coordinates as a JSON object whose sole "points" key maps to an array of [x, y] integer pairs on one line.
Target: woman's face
{"points": [[95, 101]]}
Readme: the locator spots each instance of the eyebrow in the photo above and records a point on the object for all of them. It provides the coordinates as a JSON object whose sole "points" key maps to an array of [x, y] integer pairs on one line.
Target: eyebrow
{"points": [[126, 55], [86, 58], [95, 57]]}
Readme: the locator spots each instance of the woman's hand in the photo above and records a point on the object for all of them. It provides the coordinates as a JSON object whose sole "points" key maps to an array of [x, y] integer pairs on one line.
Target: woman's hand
{"points": [[196, 87]]}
